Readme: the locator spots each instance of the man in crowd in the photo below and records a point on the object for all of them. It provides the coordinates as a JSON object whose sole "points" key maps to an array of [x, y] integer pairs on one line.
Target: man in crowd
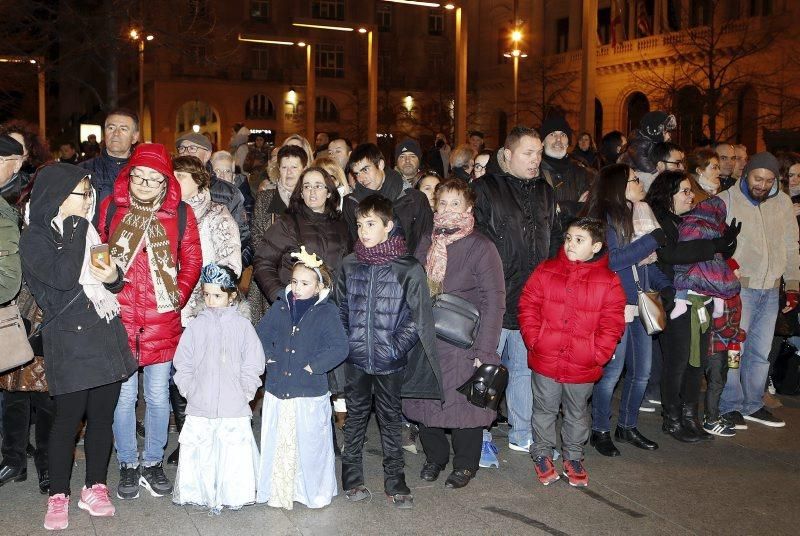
{"points": [[668, 157], [90, 148], [412, 211], [476, 141], [121, 132], [516, 209], [67, 153], [438, 158], [407, 155], [321, 144], [741, 160], [727, 163], [766, 252], [569, 178], [223, 192], [340, 149]]}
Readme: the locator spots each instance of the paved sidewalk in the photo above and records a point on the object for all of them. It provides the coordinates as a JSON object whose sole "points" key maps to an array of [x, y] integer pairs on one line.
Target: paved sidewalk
{"points": [[745, 485]]}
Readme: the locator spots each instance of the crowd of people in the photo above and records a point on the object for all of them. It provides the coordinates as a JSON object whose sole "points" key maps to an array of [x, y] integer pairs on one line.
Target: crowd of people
{"points": [[307, 281]]}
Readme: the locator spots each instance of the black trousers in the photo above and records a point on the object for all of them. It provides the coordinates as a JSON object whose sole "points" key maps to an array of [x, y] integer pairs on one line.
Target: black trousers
{"points": [[17, 406], [716, 368], [467, 444], [680, 382], [358, 392], [98, 405]]}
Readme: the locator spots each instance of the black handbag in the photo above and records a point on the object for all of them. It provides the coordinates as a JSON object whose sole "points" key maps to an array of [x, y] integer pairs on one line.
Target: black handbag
{"points": [[485, 388], [456, 320]]}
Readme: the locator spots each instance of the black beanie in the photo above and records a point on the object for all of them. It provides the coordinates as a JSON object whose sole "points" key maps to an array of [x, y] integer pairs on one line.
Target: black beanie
{"points": [[556, 123]]}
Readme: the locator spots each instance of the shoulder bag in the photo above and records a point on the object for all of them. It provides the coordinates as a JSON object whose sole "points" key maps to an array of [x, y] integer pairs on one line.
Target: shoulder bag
{"points": [[16, 348], [456, 320], [651, 310]]}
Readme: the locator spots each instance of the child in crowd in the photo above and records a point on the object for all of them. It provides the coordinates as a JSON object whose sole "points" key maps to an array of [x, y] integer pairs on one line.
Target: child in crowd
{"points": [[303, 339], [218, 367], [725, 351], [571, 315], [385, 306]]}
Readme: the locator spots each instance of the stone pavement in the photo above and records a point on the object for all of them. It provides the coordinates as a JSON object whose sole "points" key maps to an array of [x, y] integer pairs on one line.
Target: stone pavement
{"points": [[745, 485]]}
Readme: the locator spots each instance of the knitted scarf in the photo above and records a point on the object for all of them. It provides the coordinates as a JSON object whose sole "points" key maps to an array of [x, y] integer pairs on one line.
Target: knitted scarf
{"points": [[382, 253], [138, 227], [447, 228]]}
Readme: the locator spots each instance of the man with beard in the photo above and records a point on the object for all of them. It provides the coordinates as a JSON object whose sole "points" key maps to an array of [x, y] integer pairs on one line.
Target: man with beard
{"points": [[766, 252], [727, 164], [407, 156], [516, 209], [569, 178]]}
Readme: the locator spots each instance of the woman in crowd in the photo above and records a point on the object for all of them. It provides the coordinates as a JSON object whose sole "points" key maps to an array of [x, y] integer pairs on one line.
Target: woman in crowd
{"points": [[462, 161], [270, 205], [586, 152], [614, 192], [154, 239], [329, 164], [427, 185], [481, 161], [671, 197], [87, 357], [224, 167], [460, 261], [704, 167], [312, 220]]}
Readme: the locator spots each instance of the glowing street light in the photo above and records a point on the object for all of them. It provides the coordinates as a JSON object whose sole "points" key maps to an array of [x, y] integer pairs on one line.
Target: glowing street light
{"points": [[39, 62], [135, 35]]}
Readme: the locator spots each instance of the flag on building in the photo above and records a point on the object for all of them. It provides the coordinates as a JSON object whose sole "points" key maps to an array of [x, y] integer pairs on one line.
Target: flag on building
{"points": [[617, 26]]}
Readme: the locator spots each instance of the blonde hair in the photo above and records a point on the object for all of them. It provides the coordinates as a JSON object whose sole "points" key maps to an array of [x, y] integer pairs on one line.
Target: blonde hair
{"points": [[303, 143], [329, 164]]}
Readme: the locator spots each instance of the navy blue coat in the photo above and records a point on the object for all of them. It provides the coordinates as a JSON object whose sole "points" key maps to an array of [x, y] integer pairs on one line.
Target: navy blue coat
{"points": [[318, 341], [622, 257], [375, 313]]}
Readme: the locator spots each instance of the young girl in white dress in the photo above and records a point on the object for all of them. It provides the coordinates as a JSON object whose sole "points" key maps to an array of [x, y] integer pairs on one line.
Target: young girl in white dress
{"points": [[303, 339], [218, 368]]}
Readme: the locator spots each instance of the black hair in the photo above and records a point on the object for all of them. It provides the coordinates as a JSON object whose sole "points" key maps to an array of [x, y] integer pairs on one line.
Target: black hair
{"points": [[346, 141], [296, 201], [366, 151], [476, 133], [378, 205], [661, 151], [596, 228], [293, 150], [664, 187], [607, 201], [125, 112], [610, 145], [516, 134]]}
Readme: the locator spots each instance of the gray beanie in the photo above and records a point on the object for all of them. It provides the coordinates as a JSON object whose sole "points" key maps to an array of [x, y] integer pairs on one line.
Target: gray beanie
{"points": [[763, 160]]}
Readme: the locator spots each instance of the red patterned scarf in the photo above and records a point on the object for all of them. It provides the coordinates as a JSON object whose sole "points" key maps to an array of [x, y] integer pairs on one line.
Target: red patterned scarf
{"points": [[447, 228], [382, 253]]}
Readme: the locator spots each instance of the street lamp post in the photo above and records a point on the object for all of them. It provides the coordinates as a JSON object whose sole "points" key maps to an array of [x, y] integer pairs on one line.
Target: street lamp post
{"points": [[39, 62], [135, 35], [516, 54]]}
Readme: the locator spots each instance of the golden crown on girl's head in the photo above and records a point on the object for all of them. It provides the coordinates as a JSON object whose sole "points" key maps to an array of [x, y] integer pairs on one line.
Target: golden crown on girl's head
{"points": [[310, 260]]}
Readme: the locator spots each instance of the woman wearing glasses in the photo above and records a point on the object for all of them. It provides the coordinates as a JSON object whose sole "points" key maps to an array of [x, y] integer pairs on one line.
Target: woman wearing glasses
{"points": [[614, 194], [671, 197], [86, 354], [161, 268], [481, 161]]}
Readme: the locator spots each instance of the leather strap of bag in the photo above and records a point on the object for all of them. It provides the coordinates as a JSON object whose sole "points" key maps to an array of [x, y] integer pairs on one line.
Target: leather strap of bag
{"points": [[43, 325]]}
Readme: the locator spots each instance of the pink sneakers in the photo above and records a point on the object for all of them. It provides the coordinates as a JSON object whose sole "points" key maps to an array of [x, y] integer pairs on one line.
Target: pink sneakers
{"points": [[57, 516], [95, 501]]}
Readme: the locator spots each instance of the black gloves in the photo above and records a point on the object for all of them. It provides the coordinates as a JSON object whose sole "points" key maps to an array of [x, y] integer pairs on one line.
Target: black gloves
{"points": [[660, 236], [726, 244]]}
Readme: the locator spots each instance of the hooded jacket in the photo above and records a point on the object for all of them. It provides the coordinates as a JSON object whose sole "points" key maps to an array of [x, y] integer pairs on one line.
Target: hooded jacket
{"points": [[218, 364], [572, 315], [81, 350], [10, 266], [317, 340], [411, 208], [519, 216], [153, 336], [766, 247]]}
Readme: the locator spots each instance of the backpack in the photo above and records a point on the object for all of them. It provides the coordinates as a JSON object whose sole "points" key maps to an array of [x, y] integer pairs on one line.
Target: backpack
{"points": [[112, 209]]}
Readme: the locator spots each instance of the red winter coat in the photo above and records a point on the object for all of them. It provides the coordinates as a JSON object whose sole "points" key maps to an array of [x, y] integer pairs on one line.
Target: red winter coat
{"points": [[572, 315], [153, 336]]}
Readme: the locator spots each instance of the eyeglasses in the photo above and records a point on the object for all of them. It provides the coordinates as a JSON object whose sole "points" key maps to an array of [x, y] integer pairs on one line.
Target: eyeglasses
{"points": [[309, 187], [674, 162], [686, 191], [87, 195], [479, 167], [191, 149], [138, 180], [637, 180], [357, 172], [223, 172], [7, 158]]}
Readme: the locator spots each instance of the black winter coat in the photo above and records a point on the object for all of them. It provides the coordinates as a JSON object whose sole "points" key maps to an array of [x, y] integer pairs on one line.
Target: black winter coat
{"points": [[104, 169], [81, 350], [519, 216], [570, 179], [675, 252], [387, 313], [411, 209]]}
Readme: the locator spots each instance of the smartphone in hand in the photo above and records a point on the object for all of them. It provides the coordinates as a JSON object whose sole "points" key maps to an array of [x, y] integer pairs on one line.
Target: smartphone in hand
{"points": [[99, 253]]}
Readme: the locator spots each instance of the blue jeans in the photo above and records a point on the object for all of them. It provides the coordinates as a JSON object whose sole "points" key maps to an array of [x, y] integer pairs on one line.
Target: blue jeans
{"points": [[635, 353], [156, 417], [745, 385], [519, 393]]}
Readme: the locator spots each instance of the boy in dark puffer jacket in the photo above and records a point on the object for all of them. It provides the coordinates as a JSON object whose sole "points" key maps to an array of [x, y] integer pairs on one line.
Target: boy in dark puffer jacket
{"points": [[571, 314], [385, 307]]}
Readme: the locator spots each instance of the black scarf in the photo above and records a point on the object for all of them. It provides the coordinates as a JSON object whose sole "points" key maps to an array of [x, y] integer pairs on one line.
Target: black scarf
{"points": [[559, 165]]}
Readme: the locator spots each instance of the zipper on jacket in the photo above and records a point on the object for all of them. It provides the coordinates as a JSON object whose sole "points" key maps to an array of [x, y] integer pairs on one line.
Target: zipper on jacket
{"points": [[369, 319], [137, 348]]}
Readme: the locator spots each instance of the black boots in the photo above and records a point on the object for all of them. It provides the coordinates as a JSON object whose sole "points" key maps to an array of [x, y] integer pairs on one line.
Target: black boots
{"points": [[602, 442], [673, 425], [691, 422], [179, 411], [634, 437]]}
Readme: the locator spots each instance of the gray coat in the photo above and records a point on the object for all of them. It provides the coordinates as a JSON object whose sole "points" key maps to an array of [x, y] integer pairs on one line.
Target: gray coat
{"points": [[475, 273]]}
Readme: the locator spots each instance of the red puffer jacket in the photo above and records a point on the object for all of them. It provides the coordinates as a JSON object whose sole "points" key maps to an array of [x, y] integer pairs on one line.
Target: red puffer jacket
{"points": [[153, 336], [572, 315]]}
